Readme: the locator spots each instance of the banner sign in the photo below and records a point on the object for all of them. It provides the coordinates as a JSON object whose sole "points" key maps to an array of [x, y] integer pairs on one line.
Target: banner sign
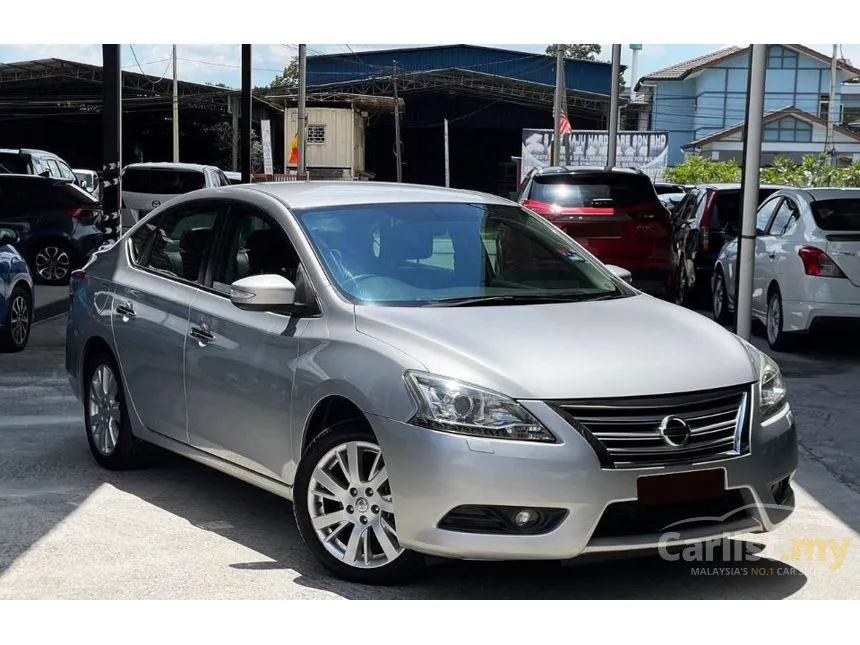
{"points": [[266, 131], [645, 151]]}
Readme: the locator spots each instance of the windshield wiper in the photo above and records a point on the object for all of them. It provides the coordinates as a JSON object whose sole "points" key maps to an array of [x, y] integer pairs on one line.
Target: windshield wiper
{"points": [[522, 299]]}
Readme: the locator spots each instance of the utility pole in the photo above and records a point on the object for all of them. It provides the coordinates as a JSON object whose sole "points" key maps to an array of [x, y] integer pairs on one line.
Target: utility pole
{"points": [[612, 144], [829, 148], [246, 161], [175, 110], [447, 159], [112, 140], [397, 146], [302, 120], [556, 111], [750, 190]]}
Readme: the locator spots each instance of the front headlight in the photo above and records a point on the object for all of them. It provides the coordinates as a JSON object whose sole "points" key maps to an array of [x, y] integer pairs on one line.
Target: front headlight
{"points": [[450, 406], [772, 386]]}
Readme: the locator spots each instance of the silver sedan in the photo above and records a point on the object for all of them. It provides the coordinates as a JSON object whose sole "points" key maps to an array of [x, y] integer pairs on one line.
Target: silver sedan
{"points": [[424, 371]]}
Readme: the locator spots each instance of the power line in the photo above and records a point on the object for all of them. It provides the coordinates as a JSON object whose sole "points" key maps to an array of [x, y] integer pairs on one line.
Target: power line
{"points": [[131, 47]]}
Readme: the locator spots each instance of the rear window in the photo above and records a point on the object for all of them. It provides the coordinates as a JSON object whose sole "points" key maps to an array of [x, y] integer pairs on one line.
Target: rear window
{"points": [[837, 214], [594, 190], [162, 182], [727, 206], [14, 164]]}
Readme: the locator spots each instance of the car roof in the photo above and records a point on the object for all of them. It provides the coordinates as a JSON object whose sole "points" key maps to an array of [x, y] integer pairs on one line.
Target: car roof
{"points": [[829, 193], [321, 194], [168, 165], [737, 186], [27, 151], [584, 170]]}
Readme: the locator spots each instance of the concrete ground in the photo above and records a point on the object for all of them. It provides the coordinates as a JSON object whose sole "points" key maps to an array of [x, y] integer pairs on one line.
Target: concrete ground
{"points": [[69, 529]]}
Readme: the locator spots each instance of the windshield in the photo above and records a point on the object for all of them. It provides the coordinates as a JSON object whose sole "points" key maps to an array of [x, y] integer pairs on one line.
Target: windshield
{"points": [[837, 214], [415, 254], [607, 189], [154, 181], [85, 178]]}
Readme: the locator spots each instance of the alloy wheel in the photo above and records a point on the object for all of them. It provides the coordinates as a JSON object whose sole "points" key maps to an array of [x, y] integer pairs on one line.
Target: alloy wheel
{"points": [[350, 506], [19, 320], [774, 320], [52, 263], [104, 412], [717, 298]]}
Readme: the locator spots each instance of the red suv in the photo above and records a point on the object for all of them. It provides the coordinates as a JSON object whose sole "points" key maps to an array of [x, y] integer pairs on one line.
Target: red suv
{"points": [[615, 214]]}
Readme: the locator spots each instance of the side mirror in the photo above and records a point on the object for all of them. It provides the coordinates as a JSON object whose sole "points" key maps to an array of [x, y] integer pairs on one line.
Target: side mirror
{"points": [[268, 292], [618, 272], [8, 236]]}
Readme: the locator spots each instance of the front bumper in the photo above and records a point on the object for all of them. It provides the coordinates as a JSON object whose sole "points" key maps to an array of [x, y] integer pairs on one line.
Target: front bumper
{"points": [[432, 473]]}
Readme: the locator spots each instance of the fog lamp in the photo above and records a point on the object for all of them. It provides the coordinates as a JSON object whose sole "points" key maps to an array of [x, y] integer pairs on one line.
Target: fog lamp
{"points": [[525, 518]]}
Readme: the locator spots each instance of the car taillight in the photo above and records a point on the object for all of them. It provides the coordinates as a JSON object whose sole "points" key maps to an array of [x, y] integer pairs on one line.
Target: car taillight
{"points": [[79, 213], [536, 206], [816, 262], [705, 225]]}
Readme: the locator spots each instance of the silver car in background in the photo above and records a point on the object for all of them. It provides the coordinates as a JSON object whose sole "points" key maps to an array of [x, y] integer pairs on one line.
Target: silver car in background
{"points": [[424, 371]]}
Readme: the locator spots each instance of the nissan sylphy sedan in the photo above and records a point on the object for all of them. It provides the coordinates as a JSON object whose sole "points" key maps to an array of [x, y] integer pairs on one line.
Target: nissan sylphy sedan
{"points": [[424, 371]]}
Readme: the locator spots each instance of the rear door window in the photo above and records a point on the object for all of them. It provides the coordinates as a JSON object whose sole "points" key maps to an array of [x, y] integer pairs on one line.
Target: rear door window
{"points": [[837, 214], [585, 190], [158, 181], [13, 163]]}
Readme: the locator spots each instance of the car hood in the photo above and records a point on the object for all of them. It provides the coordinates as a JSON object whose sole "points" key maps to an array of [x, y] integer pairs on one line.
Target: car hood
{"points": [[631, 346]]}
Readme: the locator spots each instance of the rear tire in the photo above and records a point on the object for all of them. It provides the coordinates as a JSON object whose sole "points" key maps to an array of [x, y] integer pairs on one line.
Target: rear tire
{"points": [[777, 338], [720, 300], [52, 263], [346, 519], [15, 332], [106, 417]]}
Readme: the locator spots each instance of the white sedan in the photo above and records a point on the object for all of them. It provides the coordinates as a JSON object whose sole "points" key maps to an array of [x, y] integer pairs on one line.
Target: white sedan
{"points": [[807, 263]]}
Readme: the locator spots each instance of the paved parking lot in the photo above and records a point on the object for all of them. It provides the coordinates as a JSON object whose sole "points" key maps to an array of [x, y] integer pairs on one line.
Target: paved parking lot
{"points": [[69, 529]]}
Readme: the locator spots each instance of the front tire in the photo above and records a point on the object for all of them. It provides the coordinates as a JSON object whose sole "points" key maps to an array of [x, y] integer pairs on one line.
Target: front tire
{"points": [[344, 511], [106, 417], [15, 332]]}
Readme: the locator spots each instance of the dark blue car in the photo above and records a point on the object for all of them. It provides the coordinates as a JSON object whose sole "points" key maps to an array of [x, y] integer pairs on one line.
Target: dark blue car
{"points": [[16, 295]]}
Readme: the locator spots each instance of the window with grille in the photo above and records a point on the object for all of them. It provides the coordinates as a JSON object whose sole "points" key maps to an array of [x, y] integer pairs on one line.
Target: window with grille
{"points": [[316, 133], [788, 129], [781, 58]]}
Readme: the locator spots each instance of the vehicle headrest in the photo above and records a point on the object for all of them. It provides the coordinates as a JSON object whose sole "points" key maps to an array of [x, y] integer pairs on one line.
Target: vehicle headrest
{"points": [[196, 239], [412, 241]]}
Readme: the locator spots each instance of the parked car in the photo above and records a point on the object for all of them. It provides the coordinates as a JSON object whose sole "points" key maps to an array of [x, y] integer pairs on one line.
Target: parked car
{"points": [[233, 177], [671, 201], [16, 295], [424, 371], [807, 264], [615, 214], [662, 188], [145, 186], [707, 216], [57, 224], [26, 161], [89, 181]]}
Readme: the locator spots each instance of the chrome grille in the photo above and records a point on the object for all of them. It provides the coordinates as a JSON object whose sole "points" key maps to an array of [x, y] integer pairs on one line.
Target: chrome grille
{"points": [[625, 433]]}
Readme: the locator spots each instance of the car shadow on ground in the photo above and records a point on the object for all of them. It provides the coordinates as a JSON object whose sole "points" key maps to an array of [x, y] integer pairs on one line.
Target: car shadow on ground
{"points": [[264, 523]]}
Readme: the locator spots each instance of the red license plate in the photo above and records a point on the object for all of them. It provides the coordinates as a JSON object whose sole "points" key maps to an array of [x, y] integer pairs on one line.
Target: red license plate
{"points": [[659, 490]]}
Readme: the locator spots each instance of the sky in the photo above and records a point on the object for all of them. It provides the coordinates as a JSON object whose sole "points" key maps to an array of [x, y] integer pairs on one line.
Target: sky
{"points": [[222, 63]]}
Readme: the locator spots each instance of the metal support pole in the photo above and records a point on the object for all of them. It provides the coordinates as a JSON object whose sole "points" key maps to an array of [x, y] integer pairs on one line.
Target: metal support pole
{"points": [[447, 159], [175, 110], [832, 116], [302, 120], [397, 145], [749, 190], [245, 158], [556, 112], [235, 104], [612, 144], [112, 141]]}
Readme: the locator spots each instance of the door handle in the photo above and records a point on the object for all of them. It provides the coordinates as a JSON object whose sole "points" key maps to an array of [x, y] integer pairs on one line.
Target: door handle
{"points": [[201, 335], [126, 310]]}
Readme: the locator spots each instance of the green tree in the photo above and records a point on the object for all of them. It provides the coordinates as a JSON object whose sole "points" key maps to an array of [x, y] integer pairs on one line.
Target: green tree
{"points": [[698, 170], [221, 134], [578, 52], [290, 76]]}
